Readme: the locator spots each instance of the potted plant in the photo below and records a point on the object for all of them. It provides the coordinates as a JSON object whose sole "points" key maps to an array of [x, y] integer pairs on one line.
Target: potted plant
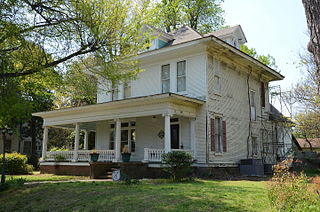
{"points": [[94, 155], [125, 154]]}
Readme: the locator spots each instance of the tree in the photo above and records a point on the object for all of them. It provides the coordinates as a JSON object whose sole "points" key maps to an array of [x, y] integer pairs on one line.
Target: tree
{"points": [[201, 15], [63, 30], [312, 10], [265, 59]]}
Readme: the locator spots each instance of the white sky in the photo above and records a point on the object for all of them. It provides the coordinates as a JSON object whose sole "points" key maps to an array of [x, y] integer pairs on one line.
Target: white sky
{"points": [[275, 27]]}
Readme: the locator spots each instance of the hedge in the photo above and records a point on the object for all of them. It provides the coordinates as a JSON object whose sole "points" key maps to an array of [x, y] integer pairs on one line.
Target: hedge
{"points": [[16, 164]]}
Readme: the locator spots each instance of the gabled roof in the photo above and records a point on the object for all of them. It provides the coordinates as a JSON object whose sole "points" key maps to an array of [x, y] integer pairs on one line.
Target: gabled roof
{"points": [[184, 34], [228, 31]]}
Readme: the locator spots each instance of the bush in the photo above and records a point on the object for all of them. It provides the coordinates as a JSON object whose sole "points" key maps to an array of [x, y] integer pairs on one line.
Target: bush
{"points": [[292, 191], [177, 164], [59, 158], [16, 164], [12, 183]]}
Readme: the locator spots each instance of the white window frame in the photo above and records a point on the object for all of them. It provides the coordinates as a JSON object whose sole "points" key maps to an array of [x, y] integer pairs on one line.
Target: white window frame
{"points": [[114, 92], [167, 80], [129, 128], [182, 77]]}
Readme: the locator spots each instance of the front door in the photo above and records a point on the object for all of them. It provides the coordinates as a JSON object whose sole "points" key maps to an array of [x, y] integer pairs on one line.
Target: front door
{"points": [[175, 136]]}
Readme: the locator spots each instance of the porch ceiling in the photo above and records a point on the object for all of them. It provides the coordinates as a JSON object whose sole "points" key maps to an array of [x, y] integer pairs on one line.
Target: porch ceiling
{"points": [[127, 108]]}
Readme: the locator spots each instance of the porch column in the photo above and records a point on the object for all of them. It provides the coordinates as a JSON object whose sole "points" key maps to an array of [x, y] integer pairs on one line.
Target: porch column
{"points": [[44, 142], [76, 142], [118, 140], [86, 138], [193, 136], [167, 134]]}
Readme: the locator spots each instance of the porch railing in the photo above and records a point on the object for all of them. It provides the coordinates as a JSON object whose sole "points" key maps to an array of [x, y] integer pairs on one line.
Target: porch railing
{"points": [[155, 155], [83, 155]]}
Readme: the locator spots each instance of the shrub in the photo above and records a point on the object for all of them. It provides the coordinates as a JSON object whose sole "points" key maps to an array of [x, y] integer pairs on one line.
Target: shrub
{"points": [[16, 164], [177, 164], [12, 183], [292, 191], [59, 158]]}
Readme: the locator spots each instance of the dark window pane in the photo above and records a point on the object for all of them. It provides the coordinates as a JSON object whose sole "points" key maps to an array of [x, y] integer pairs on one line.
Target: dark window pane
{"points": [[174, 120], [133, 123], [124, 135], [126, 124], [112, 126]]}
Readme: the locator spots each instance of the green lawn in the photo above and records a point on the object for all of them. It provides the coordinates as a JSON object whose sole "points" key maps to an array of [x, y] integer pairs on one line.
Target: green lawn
{"points": [[36, 176], [201, 195]]}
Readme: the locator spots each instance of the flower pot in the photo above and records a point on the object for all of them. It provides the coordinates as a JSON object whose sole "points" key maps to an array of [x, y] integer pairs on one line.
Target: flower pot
{"points": [[126, 157], [94, 157]]}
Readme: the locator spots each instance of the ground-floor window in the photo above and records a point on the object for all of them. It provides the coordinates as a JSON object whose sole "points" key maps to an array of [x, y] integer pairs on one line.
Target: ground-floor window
{"points": [[128, 133]]}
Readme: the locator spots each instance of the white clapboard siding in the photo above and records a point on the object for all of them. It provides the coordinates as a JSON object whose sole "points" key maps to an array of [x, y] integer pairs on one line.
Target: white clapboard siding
{"points": [[232, 104]]}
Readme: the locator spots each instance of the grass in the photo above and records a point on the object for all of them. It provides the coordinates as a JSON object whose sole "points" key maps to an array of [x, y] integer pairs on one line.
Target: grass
{"points": [[36, 177], [201, 195]]}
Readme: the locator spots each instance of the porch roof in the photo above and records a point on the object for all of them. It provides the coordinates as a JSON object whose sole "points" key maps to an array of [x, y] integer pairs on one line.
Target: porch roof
{"points": [[126, 108]]}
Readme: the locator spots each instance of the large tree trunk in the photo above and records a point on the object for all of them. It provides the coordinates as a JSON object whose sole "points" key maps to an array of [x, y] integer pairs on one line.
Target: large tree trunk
{"points": [[312, 9]]}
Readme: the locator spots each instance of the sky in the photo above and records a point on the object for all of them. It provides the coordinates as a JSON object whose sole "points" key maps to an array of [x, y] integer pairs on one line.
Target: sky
{"points": [[275, 27]]}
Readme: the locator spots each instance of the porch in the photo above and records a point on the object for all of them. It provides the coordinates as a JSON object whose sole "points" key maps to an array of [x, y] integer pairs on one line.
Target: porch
{"points": [[147, 126]]}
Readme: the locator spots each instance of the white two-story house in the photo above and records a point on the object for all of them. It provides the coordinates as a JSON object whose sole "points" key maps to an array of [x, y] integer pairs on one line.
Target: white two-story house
{"points": [[197, 93]]}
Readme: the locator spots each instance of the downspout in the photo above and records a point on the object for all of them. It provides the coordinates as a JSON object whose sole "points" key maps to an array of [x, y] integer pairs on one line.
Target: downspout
{"points": [[249, 101]]}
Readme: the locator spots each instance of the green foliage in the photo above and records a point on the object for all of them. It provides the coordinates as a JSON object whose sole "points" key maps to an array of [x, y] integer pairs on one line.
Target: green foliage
{"points": [[177, 164], [201, 15], [308, 125], [59, 158], [12, 183], [292, 192], [16, 164], [265, 59], [58, 149]]}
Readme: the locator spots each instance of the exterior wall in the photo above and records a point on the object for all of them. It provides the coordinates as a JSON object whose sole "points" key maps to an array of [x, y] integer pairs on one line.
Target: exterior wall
{"points": [[148, 82], [14, 143], [102, 135], [233, 106]]}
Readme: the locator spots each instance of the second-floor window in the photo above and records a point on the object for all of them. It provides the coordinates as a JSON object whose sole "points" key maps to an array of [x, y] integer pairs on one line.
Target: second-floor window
{"points": [[253, 113], [114, 92], [165, 78], [263, 95], [127, 90], [181, 76]]}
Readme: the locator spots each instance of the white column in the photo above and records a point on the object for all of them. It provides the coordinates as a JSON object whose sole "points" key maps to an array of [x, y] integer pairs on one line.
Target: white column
{"points": [[193, 136], [86, 138], [118, 140], [167, 134], [76, 142], [44, 142]]}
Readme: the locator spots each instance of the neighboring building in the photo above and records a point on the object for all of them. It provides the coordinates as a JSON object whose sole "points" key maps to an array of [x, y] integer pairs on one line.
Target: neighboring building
{"points": [[197, 93], [20, 142], [305, 145]]}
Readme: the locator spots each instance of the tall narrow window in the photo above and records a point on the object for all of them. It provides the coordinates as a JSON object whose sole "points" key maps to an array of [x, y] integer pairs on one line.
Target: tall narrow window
{"points": [[253, 114], [181, 76], [254, 146], [165, 78], [218, 134], [114, 92], [127, 90], [263, 95]]}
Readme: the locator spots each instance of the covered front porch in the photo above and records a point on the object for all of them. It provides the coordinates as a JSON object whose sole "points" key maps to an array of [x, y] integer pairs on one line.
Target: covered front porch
{"points": [[147, 127]]}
